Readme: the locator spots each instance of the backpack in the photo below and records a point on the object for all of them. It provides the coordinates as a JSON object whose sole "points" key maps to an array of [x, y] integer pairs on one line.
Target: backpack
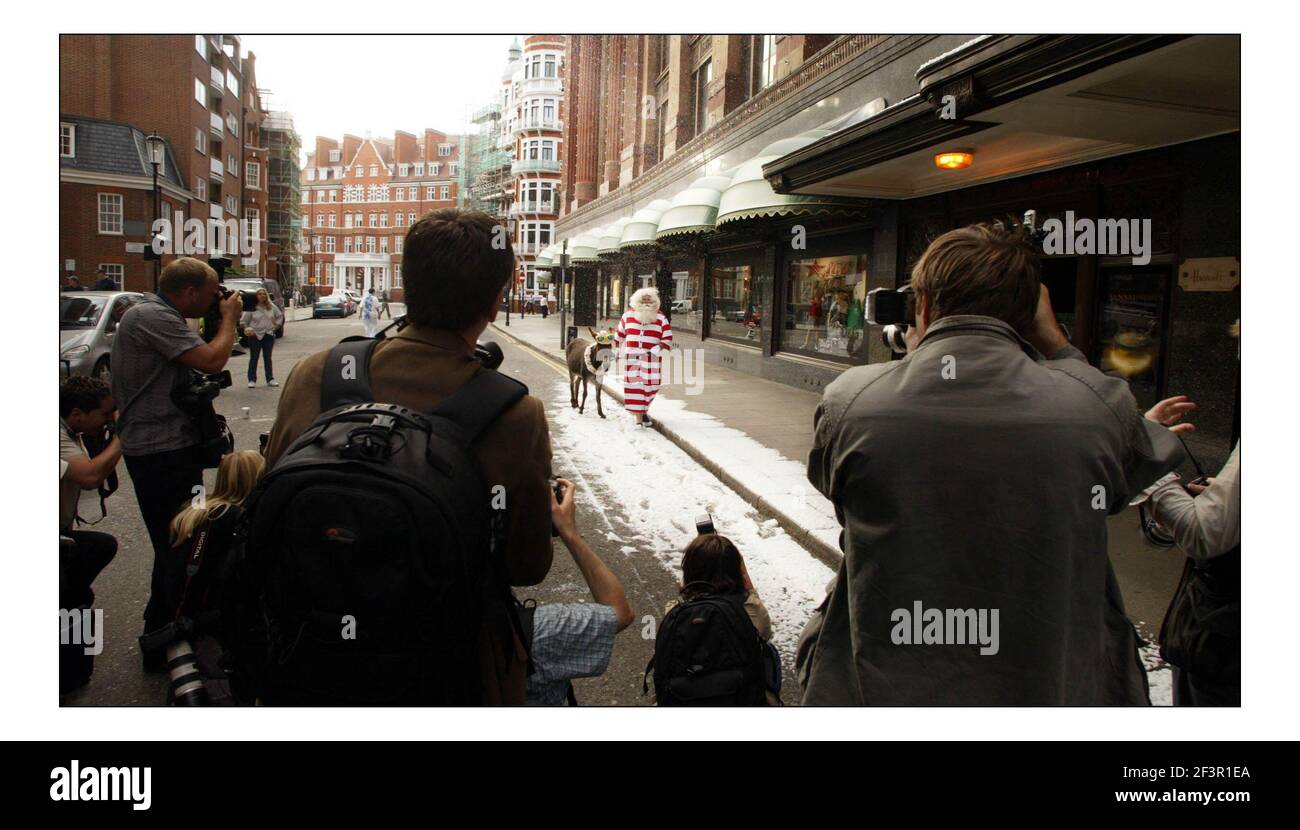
{"points": [[372, 553], [708, 653]]}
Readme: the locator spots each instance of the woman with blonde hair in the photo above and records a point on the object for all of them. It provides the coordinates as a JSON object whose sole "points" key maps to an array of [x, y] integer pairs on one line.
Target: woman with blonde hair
{"points": [[202, 532]]}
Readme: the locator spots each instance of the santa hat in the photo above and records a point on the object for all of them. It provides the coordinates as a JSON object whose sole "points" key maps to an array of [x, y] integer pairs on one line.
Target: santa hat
{"points": [[645, 304]]}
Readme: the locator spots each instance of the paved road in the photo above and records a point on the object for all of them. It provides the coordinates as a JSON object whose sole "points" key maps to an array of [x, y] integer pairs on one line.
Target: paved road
{"points": [[122, 588]]}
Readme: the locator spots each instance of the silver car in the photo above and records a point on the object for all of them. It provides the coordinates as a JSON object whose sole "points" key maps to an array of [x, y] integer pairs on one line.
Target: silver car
{"points": [[87, 324]]}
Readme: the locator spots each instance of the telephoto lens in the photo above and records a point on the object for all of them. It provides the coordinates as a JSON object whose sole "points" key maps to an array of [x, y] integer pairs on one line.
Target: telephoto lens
{"points": [[187, 682], [895, 338]]}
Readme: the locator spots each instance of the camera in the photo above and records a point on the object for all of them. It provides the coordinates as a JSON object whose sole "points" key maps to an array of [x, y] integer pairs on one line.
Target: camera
{"points": [[895, 311], [182, 665], [202, 388], [704, 524]]}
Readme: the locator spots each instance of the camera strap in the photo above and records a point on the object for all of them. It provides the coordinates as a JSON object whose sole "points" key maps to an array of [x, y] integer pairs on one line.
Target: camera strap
{"points": [[192, 565]]}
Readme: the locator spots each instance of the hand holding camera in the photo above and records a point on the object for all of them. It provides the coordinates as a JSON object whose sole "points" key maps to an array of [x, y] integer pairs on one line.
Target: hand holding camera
{"points": [[564, 510], [232, 304]]}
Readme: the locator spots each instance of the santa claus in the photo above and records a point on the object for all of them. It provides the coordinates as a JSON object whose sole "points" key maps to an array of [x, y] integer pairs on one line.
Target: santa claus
{"points": [[643, 334]]}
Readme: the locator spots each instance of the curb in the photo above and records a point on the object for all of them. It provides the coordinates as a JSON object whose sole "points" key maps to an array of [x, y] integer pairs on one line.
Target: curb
{"points": [[828, 555]]}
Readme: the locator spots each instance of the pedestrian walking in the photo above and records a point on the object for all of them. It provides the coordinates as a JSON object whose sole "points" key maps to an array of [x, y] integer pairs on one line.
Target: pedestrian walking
{"points": [[383, 304], [370, 313], [259, 326], [644, 334]]}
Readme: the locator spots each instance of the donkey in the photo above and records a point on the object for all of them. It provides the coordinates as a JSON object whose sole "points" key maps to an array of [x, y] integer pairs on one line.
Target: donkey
{"points": [[589, 360]]}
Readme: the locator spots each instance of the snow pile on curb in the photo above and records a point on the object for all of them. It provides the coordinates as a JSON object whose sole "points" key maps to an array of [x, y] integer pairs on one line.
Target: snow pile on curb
{"points": [[659, 490]]}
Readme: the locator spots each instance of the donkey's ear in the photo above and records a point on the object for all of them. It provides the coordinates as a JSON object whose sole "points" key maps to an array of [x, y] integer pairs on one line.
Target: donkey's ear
{"points": [[593, 332]]}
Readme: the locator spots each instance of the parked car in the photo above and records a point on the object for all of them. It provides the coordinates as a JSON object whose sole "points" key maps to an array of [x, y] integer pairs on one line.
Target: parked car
{"points": [[253, 284], [333, 305], [87, 324], [355, 296]]}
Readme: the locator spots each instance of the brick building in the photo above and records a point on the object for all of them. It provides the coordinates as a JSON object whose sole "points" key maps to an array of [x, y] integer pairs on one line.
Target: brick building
{"points": [[190, 89], [360, 196], [766, 183]]}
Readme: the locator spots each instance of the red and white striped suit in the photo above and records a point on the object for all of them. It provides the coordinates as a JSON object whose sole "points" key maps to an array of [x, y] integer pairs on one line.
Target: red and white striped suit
{"points": [[641, 345]]}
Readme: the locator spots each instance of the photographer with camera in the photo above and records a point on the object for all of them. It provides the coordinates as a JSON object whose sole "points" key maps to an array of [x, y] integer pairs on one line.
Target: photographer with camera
{"points": [[85, 408], [973, 479], [455, 278], [572, 640], [199, 585], [154, 354]]}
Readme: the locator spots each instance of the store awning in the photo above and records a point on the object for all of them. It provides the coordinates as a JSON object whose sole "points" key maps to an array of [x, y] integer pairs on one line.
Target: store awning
{"points": [[695, 209], [641, 230], [607, 245], [582, 248], [749, 196], [544, 260], [1024, 104]]}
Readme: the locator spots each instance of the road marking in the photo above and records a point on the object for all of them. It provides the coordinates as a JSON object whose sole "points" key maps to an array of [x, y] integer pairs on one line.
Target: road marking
{"points": [[544, 361]]}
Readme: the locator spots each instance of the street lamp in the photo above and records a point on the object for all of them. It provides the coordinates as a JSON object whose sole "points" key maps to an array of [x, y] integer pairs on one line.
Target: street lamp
{"points": [[564, 263], [156, 147], [510, 291]]}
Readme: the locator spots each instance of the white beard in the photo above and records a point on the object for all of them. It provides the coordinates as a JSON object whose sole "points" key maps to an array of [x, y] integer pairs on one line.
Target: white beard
{"points": [[646, 315]]}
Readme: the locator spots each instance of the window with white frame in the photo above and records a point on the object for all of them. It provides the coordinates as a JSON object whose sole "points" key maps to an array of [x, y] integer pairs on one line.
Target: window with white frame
{"points": [[401, 194], [410, 217], [338, 171], [201, 92], [306, 197], [419, 169], [429, 194], [370, 244], [347, 244], [334, 194], [232, 123], [320, 220], [333, 220], [318, 269], [200, 46], [444, 192], [435, 169], [444, 149], [253, 220], [374, 170], [232, 206], [336, 155], [397, 244], [311, 174], [374, 221], [67, 140], [383, 219], [110, 213], [361, 171], [232, 83], [455, 169], [347, 220], [397, 276], [200, 140], [400, 219], [232, 167], [383, 244], [403, 169], [329, 244]]}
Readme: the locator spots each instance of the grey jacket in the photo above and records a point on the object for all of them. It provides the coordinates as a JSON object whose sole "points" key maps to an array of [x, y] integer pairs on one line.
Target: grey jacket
{"points": [[974, 475]]}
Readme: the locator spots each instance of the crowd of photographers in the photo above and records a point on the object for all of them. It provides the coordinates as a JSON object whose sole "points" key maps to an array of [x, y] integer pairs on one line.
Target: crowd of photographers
{"points": [[977, 472]]}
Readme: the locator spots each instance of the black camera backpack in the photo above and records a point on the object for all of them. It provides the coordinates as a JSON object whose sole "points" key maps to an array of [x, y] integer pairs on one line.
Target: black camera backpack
{"points": [[372, 552], [708, 653]]}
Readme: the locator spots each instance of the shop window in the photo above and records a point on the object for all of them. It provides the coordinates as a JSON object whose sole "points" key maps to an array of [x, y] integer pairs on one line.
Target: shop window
{"points": [[736, 311], [824, 307], [1131, 328], [688, 295]]}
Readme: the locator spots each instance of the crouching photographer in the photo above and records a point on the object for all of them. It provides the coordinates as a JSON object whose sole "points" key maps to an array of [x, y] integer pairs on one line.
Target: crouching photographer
{"points": [[85, 410], [155, 358], [200, 586], [973, 479], [714, 646]]}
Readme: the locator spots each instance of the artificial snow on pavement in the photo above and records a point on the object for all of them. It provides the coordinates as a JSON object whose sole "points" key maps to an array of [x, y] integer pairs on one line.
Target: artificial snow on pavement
{"points": [[659, 490]]}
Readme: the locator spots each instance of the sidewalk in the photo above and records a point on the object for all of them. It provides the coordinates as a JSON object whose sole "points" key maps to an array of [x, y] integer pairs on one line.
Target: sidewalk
{"points": [[753, 434]]}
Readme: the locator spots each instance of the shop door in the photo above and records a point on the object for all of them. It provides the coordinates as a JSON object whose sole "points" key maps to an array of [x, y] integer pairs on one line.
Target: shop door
{"points": [[1132, 321]]}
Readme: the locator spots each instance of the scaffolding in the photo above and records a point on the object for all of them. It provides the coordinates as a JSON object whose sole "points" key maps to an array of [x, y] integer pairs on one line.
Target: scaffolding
{"points": [[284, 197], [486, 172]]}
